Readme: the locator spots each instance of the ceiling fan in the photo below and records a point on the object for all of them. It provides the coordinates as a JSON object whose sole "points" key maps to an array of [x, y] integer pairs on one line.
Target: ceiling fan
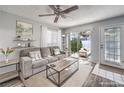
{"points": [[58, 12]]}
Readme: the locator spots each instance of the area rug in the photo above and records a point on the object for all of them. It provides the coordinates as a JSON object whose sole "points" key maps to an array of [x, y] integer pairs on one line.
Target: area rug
{"points": [[40, 80], [105, 76], [98, 81]]}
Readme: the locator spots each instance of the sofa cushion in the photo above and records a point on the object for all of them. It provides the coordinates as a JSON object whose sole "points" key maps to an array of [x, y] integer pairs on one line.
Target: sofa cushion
{"points": [[35, 55], [39, 63], [25, 52], [45, 52], [61, 56], [84, 52], [51, 59], [52, 49], [56, 51]]}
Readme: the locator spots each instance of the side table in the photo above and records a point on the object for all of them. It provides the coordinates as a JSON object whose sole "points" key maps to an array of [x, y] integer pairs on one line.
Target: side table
{"points": [[12, 74]]}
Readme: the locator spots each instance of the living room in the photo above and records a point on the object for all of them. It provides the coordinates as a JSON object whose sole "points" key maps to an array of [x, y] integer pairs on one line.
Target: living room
{"points": [[48, 39]]}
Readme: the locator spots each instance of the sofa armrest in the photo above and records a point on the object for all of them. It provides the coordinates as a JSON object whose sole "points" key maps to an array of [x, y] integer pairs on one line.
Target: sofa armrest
{"points": [[62, 52], [26, 66], [83, 54]]}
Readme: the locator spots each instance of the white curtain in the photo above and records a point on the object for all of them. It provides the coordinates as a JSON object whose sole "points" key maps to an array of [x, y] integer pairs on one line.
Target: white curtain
{"points": [[50, 37]]}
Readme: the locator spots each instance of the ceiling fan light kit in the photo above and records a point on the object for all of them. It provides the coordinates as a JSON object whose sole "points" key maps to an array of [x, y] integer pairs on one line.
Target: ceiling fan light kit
{"points": [[58, 12]]}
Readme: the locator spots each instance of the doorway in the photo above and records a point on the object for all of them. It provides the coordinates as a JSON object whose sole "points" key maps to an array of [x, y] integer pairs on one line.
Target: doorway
{"points": [[74, 44], [79, 44], [85, 38], [110, 45]]}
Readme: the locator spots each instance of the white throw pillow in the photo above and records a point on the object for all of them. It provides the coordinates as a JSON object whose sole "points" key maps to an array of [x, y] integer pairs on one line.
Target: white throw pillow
{"points": [[35, 55], [38, 55], [56, 51], [32, 55]]}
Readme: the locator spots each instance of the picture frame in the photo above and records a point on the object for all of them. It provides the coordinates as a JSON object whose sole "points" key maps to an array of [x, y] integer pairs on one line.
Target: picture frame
{"points": [[24, 28]]}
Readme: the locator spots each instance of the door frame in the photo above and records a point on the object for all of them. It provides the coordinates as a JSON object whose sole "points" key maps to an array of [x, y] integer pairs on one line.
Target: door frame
{"points": [[102, 58]]}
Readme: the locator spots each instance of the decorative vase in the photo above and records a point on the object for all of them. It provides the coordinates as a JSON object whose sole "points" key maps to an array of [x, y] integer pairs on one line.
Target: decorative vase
{"points": [[6, 52], [6, 60]]}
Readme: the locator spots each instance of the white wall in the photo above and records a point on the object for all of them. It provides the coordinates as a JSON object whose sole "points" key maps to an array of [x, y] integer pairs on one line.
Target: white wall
{"points": [[96, 29], [8, 33], [8, 30]]}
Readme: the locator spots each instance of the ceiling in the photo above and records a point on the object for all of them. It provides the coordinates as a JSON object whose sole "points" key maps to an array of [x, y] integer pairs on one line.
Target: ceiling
{"points": [[85, 13]]}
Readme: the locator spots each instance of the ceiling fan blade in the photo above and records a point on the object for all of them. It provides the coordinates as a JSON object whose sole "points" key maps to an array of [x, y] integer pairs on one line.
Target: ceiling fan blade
{"points": [[70, 9], [63, 16], [56, 19], [46, 15], [53, 8]]}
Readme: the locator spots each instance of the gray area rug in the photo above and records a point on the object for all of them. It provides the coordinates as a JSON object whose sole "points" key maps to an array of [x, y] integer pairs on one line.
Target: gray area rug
{"points": [[76, 80], [98, 81]]}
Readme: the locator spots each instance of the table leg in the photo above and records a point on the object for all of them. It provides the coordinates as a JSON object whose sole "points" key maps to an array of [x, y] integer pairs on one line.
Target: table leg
{"points": [[46, 71], [59, 79]]}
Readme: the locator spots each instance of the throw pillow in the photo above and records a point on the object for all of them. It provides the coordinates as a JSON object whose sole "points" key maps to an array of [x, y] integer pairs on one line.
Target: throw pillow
{"points": [[35, 55], [32, 55], [38, 55], [56, 51], [85, 49]]}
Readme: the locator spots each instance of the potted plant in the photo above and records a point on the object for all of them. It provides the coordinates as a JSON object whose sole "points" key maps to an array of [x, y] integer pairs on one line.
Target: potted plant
{"points": [[6, 52]]}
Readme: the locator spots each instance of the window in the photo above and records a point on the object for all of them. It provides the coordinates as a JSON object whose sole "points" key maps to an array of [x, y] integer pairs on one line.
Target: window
{"points": [[52, 37], [112, 45]]}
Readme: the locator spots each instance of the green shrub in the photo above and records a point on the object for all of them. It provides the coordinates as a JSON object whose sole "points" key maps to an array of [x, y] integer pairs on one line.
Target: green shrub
{"points": [[76, 45]]}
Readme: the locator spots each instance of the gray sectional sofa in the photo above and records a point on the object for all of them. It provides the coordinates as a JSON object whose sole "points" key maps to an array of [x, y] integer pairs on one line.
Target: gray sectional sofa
{"points": [[29, 67]]}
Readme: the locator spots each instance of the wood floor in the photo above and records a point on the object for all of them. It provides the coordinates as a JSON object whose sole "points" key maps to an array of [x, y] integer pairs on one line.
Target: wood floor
{"points": [[39, 80], [76, 80], [89, 75], [12, 83]]}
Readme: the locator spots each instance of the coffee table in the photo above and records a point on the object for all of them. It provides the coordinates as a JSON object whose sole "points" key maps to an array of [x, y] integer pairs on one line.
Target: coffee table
{"points": [[60, 71]]}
